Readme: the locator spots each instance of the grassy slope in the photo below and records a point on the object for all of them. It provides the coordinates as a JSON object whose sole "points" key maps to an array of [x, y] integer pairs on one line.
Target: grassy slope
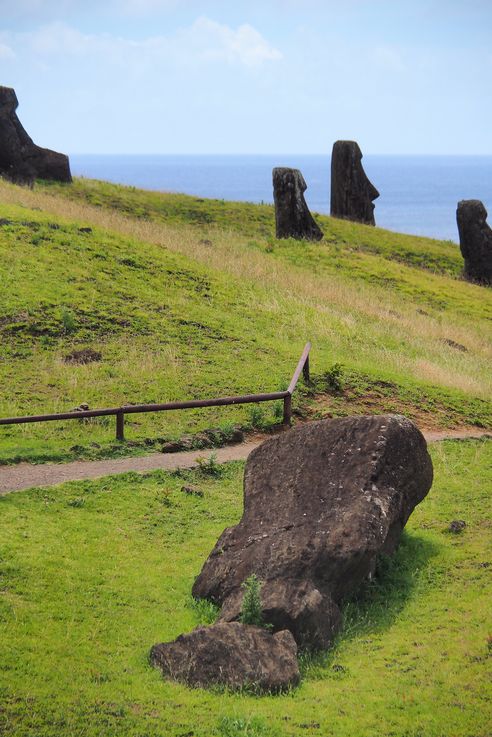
{"points": [[192, 298], [121, 555]]}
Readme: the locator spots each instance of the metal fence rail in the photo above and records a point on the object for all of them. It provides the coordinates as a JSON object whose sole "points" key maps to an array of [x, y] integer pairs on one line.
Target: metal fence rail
{"points": [[120, 412]]}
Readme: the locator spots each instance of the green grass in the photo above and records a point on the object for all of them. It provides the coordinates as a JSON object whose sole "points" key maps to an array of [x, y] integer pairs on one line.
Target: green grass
{"points": [[258, 220], [93, 573], [182, 306], [441, 257]]}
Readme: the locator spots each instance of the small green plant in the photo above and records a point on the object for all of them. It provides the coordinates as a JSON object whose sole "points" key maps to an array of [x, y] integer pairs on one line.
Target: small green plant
{"points": [[251, 607], [205, 611], [209, 466], [68, 321], [278, 411], [227, 431], [241, 727], [334, 378], [256, 416]]}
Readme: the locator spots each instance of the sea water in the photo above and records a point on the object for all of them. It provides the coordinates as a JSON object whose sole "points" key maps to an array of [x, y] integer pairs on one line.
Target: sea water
{"points": [[418, 194]]}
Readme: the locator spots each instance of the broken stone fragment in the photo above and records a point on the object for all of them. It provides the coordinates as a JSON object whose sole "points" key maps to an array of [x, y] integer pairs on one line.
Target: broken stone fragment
{"points": [[230, 654], [352, 193], [21, 161], [475, 241], [292, 216], [321, 502]]}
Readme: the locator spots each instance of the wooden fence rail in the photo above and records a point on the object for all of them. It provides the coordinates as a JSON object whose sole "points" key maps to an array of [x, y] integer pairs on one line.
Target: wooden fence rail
{"points": [[120, 412]]}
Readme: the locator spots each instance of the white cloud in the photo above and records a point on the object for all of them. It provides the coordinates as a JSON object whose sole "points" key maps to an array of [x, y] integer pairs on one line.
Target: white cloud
{"points": [[204, 41], [245, 44]]}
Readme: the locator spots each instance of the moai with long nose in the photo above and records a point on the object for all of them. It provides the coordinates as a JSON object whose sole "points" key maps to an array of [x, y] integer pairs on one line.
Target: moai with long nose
{"points": [[352, 193]]}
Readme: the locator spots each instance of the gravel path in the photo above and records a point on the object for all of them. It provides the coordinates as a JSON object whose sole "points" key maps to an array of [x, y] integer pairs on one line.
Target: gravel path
{"points": [[27, 475]]}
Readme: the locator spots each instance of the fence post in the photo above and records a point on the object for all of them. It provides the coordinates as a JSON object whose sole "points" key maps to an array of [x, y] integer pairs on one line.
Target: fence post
{"points": [[305, 370], [120, 426], [287, 410]]}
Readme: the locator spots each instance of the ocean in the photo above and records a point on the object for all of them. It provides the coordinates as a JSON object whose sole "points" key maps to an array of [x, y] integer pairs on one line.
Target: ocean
{"points": [[418, 194]]}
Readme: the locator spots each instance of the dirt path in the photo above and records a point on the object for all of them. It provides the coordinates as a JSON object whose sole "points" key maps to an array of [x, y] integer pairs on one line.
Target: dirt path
{"points": [[26, 475]]}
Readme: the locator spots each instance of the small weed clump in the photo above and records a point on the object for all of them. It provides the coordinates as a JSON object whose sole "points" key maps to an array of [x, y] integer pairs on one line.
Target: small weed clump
{"points": [[256, 416], [245, 727], [334, 378], [209, 466], [251, 607], [206, 611], [68, 321], [278, 411]]}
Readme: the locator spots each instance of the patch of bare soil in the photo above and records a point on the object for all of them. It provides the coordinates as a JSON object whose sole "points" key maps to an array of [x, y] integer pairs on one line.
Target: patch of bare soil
{"points": [[435, 419], [83, 356]]}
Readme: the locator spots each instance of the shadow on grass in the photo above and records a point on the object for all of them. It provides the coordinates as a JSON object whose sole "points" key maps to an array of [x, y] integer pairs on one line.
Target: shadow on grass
{"points": [[378, 602]]}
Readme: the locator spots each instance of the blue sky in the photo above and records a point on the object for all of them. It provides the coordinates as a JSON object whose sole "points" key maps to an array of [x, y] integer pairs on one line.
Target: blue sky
{"points": [[179, 76]]}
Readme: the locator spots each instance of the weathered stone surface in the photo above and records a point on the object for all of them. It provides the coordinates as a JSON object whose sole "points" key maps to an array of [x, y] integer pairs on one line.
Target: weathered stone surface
{"points": [[457, 526], [320, 503], [292, 216], [230, 654], [352, 193], [475, 241], [21, 160]]}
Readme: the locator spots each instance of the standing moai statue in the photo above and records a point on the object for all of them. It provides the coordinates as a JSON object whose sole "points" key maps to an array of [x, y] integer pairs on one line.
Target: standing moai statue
{"points": [[21, 161], [292, 216], [351, 191], [475, 241]]}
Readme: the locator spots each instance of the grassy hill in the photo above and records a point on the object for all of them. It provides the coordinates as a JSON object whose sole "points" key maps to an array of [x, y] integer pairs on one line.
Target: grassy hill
{"points": [[191, 298]]}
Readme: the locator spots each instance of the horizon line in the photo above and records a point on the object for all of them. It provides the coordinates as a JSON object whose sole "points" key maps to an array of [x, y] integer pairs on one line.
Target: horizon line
{"points": [[154, 153]]}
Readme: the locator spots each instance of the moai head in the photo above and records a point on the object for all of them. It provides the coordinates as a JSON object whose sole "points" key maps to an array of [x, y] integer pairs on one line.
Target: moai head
{"points": [[292, 216], [352, 193], [21, 160], [8, 100], [475, 241]]}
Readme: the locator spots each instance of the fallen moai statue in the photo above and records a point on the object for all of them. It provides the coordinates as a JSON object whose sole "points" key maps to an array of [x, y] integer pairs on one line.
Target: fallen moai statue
{"points": [[475, 241], [292, 216], [352, 193], [21, 161], [321, 502]]}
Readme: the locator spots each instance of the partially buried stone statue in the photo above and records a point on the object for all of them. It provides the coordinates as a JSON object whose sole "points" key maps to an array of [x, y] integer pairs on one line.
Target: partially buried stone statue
{"points": [[475, 241], [352, 193], [292, 216], [321, 502], [21, 161]]}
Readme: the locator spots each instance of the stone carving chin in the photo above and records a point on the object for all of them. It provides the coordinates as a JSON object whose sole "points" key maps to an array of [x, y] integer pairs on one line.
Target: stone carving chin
{"points": [[352, 193], [475, 241], [292, 216], [21, 161]]}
